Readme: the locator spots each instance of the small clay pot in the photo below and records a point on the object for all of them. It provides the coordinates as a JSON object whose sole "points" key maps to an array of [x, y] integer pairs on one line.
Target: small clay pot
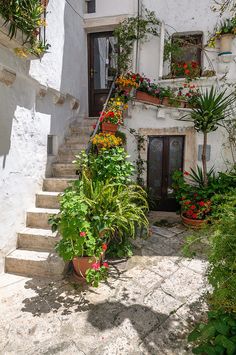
{"points": [[108, 127], [143, 96]]}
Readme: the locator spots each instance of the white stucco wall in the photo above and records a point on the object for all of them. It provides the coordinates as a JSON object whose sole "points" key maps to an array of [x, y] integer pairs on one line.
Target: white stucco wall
{"points": [[26, 118]]}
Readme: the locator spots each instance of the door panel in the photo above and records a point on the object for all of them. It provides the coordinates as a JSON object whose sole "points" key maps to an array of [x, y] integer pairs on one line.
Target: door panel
{"points": [[102, 69], [165, 155]]}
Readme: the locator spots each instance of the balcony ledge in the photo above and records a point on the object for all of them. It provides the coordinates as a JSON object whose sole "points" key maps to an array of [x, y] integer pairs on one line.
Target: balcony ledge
{"points": [[15, 42]]}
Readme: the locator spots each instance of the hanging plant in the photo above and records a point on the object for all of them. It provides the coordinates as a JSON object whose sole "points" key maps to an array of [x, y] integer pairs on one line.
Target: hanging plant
{"points": [[134, 29], [26, 16]]}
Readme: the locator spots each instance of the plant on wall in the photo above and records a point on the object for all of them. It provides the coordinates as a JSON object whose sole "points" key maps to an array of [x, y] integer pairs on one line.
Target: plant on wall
{"points": [[134, 29], [25, 16], [212, 107]]}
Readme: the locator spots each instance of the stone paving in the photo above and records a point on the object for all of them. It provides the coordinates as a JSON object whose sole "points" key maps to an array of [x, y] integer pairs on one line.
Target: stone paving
{"points": [[147, 306]]}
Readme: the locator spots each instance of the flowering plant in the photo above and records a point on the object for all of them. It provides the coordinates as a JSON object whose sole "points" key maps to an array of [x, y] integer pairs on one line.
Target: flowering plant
{"points": [[194, 200], [97, 273], [128, 80], [106, 140], [186, 70], [150, 88], [192, 94], [228, 26], [114, 112]]}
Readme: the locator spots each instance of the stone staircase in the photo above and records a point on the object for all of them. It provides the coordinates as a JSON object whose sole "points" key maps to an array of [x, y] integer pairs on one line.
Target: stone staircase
{"points": [[35, 256]]}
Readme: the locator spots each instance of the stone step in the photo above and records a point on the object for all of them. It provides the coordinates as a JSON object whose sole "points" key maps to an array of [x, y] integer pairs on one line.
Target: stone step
{"points": [[70, 140], [56, 184], [38, 217], [86, 123], [47, 199], [35, 263], [64, 170], [37, 239]]}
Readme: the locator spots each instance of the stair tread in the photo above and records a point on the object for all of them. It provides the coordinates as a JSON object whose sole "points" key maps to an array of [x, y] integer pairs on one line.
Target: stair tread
{"points": [[58, 179], [24, 254], [38, 232], [48, 193], [43, 210]]}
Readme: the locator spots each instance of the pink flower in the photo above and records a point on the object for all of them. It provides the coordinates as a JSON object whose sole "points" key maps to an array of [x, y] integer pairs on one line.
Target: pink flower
{"points": [[96, 266], [83, 234], [106, 265], [186, 173]]}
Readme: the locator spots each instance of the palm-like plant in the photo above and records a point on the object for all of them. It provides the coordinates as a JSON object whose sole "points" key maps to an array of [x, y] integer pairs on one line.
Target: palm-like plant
{"points": [[210, 109]]}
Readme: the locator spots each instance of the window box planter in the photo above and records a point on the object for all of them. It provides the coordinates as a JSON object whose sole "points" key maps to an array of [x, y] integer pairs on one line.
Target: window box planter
{"points": [[143, 96], [109, 127]]}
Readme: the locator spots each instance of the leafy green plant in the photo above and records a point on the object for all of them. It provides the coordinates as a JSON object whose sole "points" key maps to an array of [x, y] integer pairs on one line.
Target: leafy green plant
{"points": [[134, 29], [108, 164], [217, 336], [25, 16], [212, 107], [97, 273]]}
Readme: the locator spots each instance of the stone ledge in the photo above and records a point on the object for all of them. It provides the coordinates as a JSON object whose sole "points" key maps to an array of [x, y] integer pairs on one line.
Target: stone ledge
{"points": [[13, 43]]}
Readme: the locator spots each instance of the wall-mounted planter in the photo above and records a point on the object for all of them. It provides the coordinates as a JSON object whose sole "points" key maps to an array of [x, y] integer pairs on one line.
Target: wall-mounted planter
{"points": [[226, 44], [143, 96]]}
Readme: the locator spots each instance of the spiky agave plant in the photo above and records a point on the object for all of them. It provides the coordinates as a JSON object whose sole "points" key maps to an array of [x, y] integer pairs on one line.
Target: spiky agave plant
{"points": [[211, 108]]}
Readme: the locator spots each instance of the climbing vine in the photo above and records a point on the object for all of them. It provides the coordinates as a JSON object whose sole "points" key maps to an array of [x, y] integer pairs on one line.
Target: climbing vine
{"points": [[134, 29], [140, 163]]}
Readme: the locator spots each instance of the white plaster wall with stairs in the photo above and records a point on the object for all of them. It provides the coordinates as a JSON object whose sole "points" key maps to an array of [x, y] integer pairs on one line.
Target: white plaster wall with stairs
{"points": [[35, 255]]}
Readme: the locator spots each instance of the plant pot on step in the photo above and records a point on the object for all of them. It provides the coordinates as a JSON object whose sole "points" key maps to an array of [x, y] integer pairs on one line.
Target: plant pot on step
{"points": [[193, 223], [82, 264], [143, 96], [108, 127], [226, 43]]}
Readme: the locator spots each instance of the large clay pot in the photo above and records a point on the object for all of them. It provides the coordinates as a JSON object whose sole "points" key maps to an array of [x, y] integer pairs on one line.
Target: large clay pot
{"points": [[226, 43], [143, 96], [82, 264], [108, 127], [193, 223]]}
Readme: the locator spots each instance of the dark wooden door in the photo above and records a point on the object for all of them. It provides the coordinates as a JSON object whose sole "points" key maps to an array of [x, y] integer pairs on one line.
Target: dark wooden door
{"points": [[102, 68], [165, 155]]}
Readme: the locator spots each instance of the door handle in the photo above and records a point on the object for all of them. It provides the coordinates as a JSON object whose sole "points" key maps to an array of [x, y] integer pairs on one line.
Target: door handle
{"points": [[92, 72]]}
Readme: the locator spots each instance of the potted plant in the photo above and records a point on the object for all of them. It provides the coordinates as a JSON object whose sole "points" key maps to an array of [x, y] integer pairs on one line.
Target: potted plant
{"points": [[166, 94], [225, 33], [112, 117], [193, 198], [188, 70], [127, 82], [148, 92], [106, 140]]}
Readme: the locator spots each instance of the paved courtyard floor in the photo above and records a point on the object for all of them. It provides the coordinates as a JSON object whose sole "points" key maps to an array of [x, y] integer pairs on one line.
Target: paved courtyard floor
{"points": [[147, 306]]}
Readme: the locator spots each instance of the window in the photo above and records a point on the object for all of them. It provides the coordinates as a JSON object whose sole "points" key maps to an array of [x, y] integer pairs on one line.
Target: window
{"points": [[91, 6], [189, 50]]}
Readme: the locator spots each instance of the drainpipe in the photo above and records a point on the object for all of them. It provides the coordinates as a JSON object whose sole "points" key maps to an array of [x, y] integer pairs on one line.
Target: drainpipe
{"points": [[139, 12]]}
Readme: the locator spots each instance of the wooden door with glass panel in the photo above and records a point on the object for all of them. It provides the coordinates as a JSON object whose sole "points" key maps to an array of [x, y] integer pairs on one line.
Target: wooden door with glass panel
{"points": [[102, 69], [165, 155]]}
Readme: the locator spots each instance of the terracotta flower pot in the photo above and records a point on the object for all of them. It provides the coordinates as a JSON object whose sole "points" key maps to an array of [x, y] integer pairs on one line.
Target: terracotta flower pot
{"points": [[109, 127], [143, 96], [226, 43], [193, 223], [82, 264], [166, 101]]}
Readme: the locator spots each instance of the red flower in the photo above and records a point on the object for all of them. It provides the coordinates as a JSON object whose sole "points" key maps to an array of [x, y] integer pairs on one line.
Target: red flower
{"points": [[187, 71], [194, 64], [186, 173], [104, 247], [201, 203], [193, 207], [96, 266], [106, 265], [101, 118], [187, 202], [194, 215], [94, 126], [185, 66], [83, 234]]}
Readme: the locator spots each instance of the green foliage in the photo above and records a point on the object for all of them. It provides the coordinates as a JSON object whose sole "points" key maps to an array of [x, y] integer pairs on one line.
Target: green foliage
{"points": [[111, 164], [26, 16], [134, 29], [172, 49], [211, 108], [222, 258], [217, 336], [120, 248], [95, 276]]}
